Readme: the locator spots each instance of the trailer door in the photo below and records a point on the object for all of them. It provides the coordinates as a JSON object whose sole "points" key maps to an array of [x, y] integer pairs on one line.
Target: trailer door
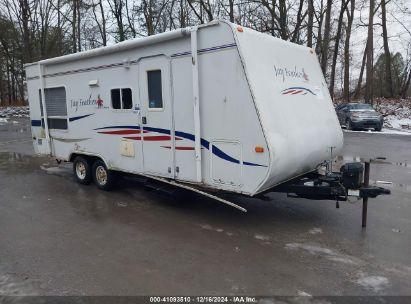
{"points": [[156, 119]]}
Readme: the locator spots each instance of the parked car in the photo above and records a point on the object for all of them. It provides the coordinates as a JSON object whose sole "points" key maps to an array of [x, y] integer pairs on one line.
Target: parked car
{"points": [[359, 116]]}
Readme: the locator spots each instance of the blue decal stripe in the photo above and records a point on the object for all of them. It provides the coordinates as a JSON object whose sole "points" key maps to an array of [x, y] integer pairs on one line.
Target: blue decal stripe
{"points": [[36, 123], [253, 164], [216, 151], [185, 135], [119, 127], [79, 117], [158, 130], [206, 144]]}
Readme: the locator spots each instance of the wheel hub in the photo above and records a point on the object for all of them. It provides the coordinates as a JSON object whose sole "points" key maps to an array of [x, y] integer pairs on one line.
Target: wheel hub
{"points": [[81, 170], [101, 175]]}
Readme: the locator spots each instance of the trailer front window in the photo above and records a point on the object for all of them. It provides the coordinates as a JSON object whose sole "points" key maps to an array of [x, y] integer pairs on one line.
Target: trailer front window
{"points": [[56, 106], [155, 94]]}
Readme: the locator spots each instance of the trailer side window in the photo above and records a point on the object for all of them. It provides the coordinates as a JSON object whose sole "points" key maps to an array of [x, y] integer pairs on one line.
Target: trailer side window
{"points": [[115, 99], [126, 98], [121, 99], [56, 106], [155, 94]]}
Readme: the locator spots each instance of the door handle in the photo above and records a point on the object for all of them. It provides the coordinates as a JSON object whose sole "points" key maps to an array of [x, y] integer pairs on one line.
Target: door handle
{"points": [[144, 120]]}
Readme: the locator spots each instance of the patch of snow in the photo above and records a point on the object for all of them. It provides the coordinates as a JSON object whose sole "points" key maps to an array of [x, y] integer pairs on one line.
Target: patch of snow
{"points": [[392, 131], [383, 132], [310, 248], [374, 283], [7, 112], [383, 182], [322, 251], [341, 259], [206, 227], [211, 228], [262, 237], [121, 204], [302, 293], [397, 123], [315, 231]]}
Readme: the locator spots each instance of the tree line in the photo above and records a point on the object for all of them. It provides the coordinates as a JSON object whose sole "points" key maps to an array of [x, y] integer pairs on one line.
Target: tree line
{"points": [[31, 30]]}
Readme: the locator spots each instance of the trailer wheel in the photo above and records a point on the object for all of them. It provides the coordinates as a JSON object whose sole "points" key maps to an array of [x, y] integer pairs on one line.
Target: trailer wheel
{"points": [[103, 178], [82, 170]]}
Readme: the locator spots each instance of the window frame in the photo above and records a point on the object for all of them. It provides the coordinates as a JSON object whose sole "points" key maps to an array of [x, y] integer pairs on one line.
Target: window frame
{"points": [[41, 103], [121, 99], [162, 91]]}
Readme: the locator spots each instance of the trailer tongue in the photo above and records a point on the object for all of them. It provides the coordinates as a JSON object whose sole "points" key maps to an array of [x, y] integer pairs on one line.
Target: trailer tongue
{"points": [[352, 182]]}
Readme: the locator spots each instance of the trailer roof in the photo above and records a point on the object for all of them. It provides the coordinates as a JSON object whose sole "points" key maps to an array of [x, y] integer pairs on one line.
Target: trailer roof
{"points": [[124, 45]]}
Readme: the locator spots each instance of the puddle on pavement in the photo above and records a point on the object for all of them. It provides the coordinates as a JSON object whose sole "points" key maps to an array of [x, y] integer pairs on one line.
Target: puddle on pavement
{"points": [[342, 159], [404, 187], [13, 126], [12, 158], [10, 161], [61, 170], [345, 158]]}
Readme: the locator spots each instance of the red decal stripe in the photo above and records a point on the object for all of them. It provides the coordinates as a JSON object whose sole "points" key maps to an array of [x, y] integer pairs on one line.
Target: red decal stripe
{"points": [[157, 138], [151, 138], [185, 148], [299, 91], [290, 91], [180, 148]]}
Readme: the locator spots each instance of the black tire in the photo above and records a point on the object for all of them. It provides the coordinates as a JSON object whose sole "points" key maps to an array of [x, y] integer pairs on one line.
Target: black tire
{"points": [[348, 125], [82, 170], [103, 178], [378, 129]]}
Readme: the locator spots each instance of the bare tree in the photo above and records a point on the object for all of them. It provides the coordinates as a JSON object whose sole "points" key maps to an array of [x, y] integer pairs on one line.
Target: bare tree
{"points": [[100, 24], [326, 40], [387, 54], [310, 23], [350, 19], [370, 53], [116, 7], [344, 4]]}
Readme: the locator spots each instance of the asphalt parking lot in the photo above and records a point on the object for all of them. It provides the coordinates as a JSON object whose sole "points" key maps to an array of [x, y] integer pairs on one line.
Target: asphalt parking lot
{"points": [[60, 238]]}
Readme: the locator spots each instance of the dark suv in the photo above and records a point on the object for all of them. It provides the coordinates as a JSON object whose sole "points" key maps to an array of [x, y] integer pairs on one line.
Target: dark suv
{"points": [[359, 116]]}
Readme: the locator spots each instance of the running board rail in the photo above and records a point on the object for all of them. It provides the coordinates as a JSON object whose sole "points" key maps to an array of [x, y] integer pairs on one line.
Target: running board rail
{"points": [[186, 187]]}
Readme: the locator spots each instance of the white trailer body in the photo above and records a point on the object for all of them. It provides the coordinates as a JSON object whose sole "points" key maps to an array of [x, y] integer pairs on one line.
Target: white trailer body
{"points": [[218, 105]]}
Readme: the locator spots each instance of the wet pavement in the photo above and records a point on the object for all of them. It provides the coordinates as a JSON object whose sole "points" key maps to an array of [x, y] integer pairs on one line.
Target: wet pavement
{"points": [[60, 238]]}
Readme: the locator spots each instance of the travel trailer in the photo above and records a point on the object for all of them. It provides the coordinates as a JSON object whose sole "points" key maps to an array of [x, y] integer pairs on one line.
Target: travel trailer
{"points": [[210, 107]]}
